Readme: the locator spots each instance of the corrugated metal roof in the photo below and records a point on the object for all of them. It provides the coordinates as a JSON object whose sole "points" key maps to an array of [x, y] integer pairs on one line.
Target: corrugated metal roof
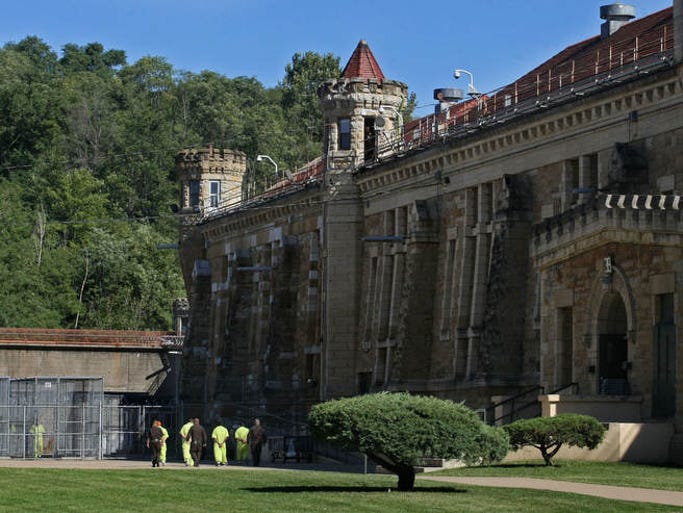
{"points": [[61, 338]]}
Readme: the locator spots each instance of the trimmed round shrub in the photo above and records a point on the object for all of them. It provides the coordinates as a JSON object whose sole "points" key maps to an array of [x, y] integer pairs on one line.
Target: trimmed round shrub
{"points": [[396, 430]]}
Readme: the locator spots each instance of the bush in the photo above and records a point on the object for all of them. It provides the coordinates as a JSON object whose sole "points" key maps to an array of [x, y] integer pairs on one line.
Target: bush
{"points": [[548, 434], [396, 430], [494, 444]]}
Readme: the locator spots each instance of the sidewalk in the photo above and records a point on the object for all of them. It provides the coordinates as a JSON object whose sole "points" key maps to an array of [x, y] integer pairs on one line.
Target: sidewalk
{"points": [[608, 492]]}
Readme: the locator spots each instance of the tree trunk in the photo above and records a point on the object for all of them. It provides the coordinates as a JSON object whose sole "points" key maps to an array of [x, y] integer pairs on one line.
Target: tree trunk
{"points": [[406, 478], [549, 451], [405, 472], [80, 295]]}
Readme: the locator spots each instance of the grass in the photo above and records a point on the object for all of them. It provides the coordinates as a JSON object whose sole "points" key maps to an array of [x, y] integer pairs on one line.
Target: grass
{"points": [[242, 491], [618, 474]]}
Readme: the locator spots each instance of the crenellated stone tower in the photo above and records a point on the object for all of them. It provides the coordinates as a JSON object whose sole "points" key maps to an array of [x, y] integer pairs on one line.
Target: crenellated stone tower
{"points": [[361, 111], [209, 178]]}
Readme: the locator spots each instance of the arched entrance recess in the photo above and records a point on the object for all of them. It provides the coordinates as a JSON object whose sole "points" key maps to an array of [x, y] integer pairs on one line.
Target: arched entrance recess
{"points": [[610, 331], [612, 350]]}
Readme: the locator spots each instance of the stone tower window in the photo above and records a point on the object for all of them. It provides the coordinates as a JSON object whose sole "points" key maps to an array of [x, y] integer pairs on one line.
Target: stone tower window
{"points": [[345, 134], [214, 193], [194, 193]]}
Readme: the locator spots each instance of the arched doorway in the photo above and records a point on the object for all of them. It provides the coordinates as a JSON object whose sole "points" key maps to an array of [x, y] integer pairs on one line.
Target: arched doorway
{"points": [[613, 346]]}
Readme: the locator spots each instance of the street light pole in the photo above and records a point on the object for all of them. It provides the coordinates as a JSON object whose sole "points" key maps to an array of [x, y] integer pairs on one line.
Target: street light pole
{"points": [[261, 158]]}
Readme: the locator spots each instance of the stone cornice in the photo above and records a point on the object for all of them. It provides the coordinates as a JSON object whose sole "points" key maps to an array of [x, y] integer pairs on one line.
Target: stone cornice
{"points": [[255, 215], [546, 124], [592, 227]]}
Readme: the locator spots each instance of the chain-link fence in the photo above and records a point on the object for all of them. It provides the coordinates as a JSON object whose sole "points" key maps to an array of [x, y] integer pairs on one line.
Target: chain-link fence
{"points": [[71, 417], [44, 431]]}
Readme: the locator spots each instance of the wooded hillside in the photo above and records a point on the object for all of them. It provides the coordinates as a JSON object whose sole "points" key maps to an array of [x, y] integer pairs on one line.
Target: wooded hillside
{"points": [[87, 146]]}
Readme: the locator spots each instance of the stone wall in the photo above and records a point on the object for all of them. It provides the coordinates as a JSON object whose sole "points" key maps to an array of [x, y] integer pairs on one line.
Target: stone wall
{"points": [[123, 372], [458, 269]]}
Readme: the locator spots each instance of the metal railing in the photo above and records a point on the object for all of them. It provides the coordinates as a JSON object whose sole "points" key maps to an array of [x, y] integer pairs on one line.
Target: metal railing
{"points": [[514, 406]]}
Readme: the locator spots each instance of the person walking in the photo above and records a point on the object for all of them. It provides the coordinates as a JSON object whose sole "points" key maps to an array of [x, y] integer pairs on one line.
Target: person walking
{"points": [[154, 441], [232, 443], [241, 434], [220, 435], [186, 443], [164, 447], [197, 436], [256, 438]]}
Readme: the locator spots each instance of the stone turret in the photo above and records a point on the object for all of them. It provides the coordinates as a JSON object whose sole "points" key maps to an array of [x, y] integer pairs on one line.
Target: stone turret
{"points": [[361, 111], [209, 178]]}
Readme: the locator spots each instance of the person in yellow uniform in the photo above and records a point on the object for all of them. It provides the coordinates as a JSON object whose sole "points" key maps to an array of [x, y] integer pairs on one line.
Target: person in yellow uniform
{"points": [[37, 430], [186, 442], [219, 435], [164, 437], [241, 435]]}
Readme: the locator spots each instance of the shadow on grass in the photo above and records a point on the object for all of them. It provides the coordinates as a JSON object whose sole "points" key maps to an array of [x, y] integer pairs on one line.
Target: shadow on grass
{"points": [[522, 465], [351, 489]]}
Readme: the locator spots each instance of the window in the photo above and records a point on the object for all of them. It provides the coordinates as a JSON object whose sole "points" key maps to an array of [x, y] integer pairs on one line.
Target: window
{"points": [[214, 193], [194, 193], [345, 134]]}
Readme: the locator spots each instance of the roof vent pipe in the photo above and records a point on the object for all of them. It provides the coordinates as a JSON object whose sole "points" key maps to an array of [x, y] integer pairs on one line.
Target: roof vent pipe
{"points": [[615, 16]]}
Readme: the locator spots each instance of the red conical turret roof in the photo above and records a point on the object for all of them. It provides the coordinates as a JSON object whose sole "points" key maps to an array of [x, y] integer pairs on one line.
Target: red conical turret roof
{"points": [[362, 64]]}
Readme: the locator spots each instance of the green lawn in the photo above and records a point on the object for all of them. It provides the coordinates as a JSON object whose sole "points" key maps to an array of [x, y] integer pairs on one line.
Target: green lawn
{"points": [[618, 474], [236, 491]]}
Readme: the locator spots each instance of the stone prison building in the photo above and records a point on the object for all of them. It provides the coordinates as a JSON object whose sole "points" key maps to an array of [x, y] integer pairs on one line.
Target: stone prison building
{"points": [[521, 251]]}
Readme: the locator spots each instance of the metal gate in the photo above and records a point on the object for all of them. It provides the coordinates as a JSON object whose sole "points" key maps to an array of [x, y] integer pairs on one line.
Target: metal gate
{"points": [[48, 431]]}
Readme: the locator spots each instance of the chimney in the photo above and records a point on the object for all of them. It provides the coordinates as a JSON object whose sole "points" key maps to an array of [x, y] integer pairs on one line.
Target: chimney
{"points": [[678, 30], [615, 16]]}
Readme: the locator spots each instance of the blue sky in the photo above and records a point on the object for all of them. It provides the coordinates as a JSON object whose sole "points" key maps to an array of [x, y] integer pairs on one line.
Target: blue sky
{"points": [[416, 42]]}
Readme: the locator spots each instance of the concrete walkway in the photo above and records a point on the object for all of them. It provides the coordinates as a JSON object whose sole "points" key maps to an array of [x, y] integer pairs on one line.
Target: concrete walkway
{"points": [[605, 491]]}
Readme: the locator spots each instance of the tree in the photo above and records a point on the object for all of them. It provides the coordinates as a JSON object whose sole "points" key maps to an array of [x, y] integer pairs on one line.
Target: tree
{"points": [[91, 58], [548, 434], [38, 51], [300, 86], [29, 110], [301, 104], [126, 283], [397, 430]]}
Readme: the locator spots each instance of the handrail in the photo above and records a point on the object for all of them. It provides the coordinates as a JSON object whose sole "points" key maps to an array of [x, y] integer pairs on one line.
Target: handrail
{"points": [[538, 388], [520, 394], [573, 385], [512, 400]]}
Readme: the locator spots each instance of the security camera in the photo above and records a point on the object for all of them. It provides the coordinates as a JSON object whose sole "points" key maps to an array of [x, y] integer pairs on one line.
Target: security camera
{"points": [[456, 74]]}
